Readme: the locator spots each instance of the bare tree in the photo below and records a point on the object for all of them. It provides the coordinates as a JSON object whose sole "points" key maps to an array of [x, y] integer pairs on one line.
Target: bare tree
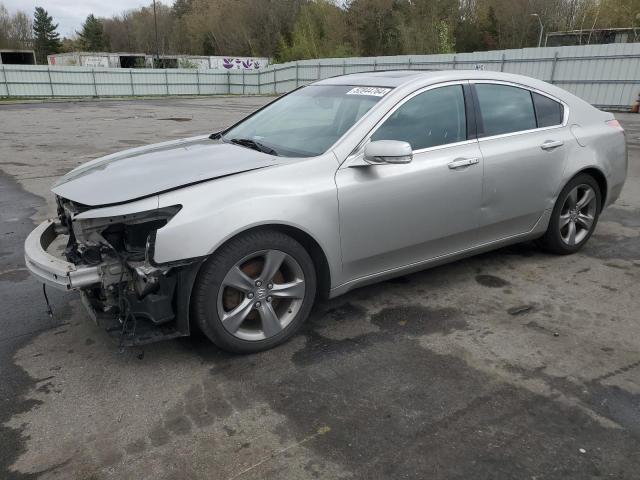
{"points": [[291, 29], [15, 30]]}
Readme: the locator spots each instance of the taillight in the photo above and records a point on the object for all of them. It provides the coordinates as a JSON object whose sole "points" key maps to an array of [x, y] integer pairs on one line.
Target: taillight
{"points": [[615, 124]]}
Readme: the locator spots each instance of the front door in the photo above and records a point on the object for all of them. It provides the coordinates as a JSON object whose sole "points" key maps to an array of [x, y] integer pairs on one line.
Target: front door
{"points": [[397, 215]]}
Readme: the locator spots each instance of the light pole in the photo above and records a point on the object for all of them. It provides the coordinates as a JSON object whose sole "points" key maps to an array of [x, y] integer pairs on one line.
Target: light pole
{"points": [[155, 22], [541, 28]]}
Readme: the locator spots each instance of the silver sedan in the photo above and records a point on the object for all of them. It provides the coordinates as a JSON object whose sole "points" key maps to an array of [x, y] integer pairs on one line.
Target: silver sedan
{"points": [[341, 183]]}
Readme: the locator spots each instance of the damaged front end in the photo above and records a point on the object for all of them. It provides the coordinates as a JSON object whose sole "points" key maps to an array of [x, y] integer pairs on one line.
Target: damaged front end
{"points": [[110, 260]]}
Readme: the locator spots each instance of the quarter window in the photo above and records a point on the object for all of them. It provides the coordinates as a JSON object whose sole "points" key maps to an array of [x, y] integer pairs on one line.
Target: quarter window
{"points": [[505, 109], [548, 112], [432, 118]]}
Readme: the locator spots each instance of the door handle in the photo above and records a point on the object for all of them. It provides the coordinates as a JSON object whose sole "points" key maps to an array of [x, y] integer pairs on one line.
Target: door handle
{"points": [[551, 144], [463, 162]]}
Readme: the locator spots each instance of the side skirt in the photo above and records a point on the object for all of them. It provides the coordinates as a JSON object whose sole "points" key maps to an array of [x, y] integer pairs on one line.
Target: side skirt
{"points": [[538, 229]]}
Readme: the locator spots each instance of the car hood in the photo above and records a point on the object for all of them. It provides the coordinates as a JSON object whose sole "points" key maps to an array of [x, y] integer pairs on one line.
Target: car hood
{"points": [[144, 171]]}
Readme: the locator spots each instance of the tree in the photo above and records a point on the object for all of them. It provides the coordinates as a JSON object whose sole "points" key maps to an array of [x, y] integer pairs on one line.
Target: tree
{"points": [[320, 31], [378, 25], [45, 37], [491, 30], [297, 29], [182, 7], [427, 26], [619, 13], [92, 37], [15, 30]]}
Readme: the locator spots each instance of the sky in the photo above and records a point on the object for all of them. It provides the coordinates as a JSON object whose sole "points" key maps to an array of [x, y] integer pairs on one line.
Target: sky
{"points": [[71, 13]]}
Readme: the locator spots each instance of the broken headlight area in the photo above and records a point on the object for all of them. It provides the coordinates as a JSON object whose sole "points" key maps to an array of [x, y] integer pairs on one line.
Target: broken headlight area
{"points": [[134, 294]]}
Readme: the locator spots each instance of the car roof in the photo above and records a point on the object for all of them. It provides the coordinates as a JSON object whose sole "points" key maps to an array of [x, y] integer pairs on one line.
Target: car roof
{"points": [[388, 78], [397, 78]]}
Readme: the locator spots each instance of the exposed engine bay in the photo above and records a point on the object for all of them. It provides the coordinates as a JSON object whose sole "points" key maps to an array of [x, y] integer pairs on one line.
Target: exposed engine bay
{"points": [[134, 295]]}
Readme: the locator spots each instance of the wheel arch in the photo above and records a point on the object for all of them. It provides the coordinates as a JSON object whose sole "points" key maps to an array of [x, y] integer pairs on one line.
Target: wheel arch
{"points": [[310, 244], [600, 178]]}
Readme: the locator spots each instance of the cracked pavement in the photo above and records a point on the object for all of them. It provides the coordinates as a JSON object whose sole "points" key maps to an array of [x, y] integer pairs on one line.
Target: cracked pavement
{"points": [[510, 364]]}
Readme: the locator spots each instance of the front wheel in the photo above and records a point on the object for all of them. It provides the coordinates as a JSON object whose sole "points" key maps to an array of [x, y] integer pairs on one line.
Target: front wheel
{"points": [[255, 292], [574, 216]]}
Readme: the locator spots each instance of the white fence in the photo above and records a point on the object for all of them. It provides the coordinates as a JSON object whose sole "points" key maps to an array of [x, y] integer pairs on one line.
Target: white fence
{"points": [[605, 75]]}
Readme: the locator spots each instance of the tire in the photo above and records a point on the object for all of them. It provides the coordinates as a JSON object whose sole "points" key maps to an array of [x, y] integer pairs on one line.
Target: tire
{"points": [[242, 303], [573, 219]]}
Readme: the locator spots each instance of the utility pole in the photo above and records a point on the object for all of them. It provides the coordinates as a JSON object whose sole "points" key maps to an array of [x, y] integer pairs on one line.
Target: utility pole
{"points": [[155, 22], [541, 28]]}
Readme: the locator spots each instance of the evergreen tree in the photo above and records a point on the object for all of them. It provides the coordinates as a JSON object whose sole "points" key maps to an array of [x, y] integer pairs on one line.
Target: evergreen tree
{"points": [[46, 40], [92, 37], [491, 30]]}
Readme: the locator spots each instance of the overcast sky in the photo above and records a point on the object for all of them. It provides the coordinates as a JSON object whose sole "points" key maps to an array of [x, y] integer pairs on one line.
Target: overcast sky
{"points": [[71, 13]]}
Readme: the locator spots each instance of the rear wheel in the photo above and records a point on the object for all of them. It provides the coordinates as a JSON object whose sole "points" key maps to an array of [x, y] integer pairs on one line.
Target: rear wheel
{"points": [[574, 216], [255, 292]]}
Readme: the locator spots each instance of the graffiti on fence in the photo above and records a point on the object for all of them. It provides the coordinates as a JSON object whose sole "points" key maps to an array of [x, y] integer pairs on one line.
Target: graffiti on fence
{"points": [[241, 63]]}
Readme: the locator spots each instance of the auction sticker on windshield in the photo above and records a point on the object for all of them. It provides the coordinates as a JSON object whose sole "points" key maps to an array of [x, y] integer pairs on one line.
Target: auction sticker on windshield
{"points": [[371, 91]]}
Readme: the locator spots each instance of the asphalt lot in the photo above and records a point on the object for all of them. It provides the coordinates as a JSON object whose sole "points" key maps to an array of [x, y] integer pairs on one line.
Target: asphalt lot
{"points": [[512, 364]]}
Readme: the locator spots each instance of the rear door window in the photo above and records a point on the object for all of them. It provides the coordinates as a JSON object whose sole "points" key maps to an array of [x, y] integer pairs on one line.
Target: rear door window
{"points": [[505, 109], [548, 111], [434, 117]]}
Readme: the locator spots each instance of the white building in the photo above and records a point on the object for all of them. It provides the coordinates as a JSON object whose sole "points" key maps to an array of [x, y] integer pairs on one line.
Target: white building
{"points": [[99, 59], [142, 60]]}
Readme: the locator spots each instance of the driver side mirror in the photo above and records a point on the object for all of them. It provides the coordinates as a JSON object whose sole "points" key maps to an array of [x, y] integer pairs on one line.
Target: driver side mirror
{"points": [[388, 151]]}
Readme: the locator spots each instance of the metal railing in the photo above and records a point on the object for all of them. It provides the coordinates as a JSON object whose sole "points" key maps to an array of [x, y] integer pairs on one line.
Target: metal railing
{"points": [[605, 75]]}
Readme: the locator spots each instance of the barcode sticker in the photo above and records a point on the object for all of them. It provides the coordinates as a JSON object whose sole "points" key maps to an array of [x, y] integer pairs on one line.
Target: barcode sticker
{"points": [[371, 91]]}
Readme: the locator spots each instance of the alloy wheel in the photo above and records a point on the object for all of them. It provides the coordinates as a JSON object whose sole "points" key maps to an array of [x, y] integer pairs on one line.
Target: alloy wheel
{"points": [[261, 294], [578, 214]]}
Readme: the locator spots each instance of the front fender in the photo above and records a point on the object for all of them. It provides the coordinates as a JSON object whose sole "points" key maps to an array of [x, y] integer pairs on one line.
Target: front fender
{"points": [[301, 194]]}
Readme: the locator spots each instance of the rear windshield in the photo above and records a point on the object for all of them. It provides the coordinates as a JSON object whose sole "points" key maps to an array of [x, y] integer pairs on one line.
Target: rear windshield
{"points": [[308, 121]]}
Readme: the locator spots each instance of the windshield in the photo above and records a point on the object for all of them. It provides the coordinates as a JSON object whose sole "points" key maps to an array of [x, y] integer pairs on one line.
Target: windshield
{"points": [[306, 122]]}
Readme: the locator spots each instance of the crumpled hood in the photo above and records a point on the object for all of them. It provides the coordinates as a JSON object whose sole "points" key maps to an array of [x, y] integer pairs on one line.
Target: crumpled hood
{"points": [[144, 171]]}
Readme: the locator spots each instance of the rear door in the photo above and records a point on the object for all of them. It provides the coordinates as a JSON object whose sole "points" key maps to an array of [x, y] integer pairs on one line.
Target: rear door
{"points": [[524, 142]]}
